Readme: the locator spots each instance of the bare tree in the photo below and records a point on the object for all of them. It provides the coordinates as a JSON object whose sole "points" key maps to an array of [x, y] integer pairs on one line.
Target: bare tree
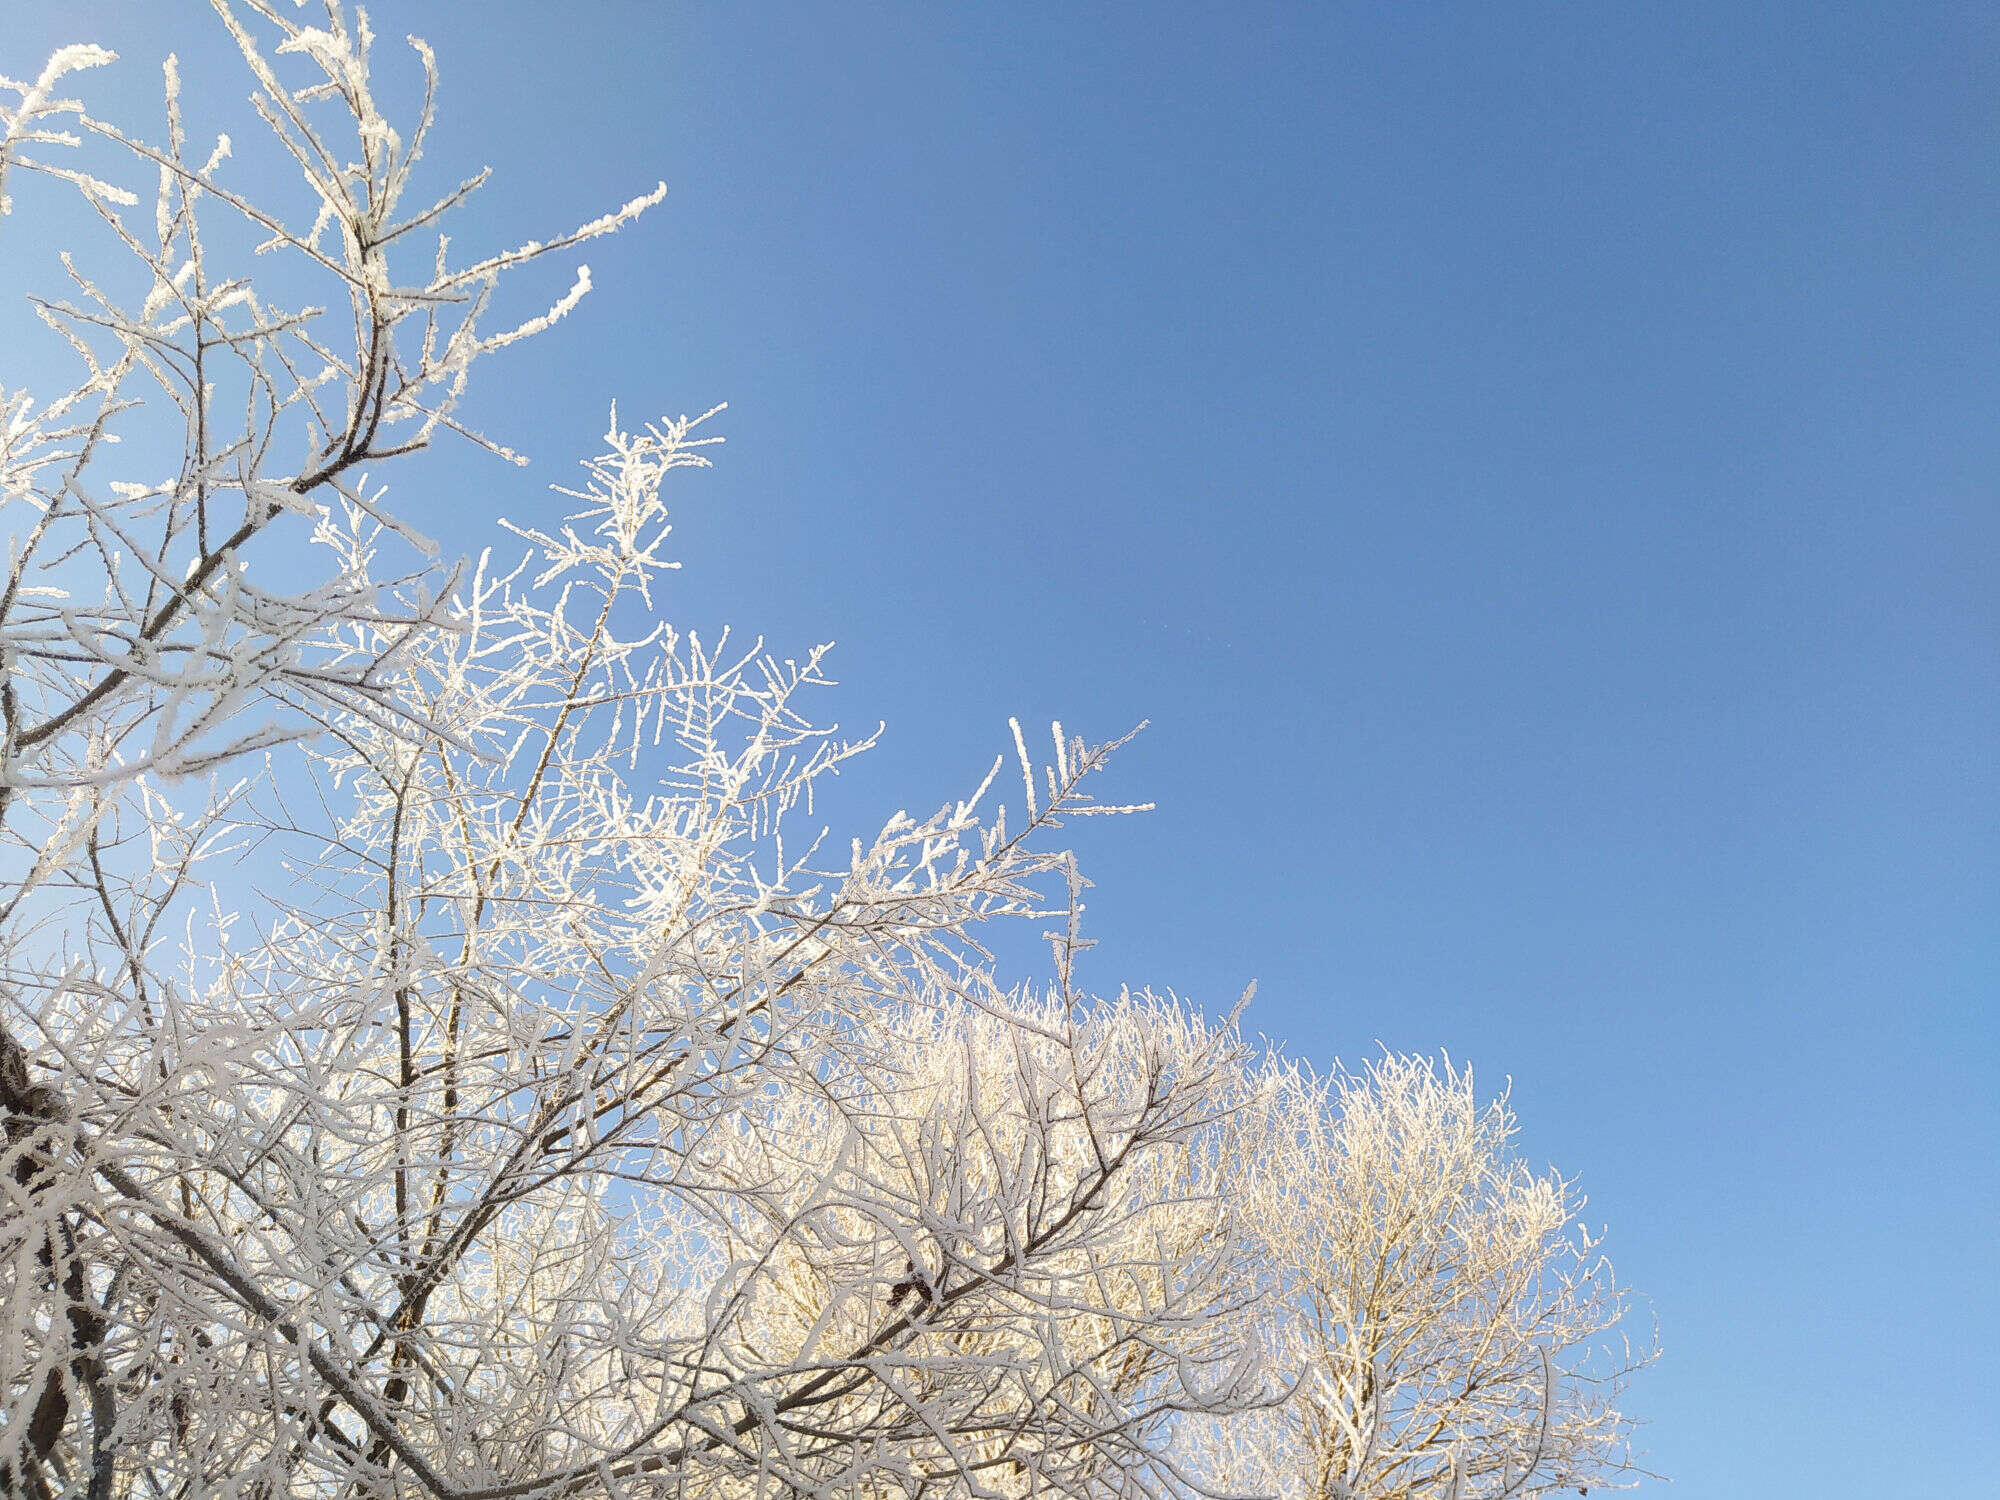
{"points": [[1443, 1309], [573, 1116], [565, 1122]]}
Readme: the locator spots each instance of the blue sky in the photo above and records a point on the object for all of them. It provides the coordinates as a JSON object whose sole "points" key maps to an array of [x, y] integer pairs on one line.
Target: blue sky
{"points": [[1533, 466]]}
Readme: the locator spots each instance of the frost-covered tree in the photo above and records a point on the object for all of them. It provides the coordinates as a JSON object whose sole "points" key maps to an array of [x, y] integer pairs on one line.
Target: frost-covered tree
{"points": [[439, 1054], [564, 1121], [1448, 1319]]}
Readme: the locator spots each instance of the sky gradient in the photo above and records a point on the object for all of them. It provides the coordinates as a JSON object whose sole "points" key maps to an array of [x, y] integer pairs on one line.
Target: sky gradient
{"points": [[1534, 467]]}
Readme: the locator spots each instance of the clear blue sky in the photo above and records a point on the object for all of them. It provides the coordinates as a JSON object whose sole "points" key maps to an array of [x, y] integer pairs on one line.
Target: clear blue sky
{"points": [[1534, 466]]}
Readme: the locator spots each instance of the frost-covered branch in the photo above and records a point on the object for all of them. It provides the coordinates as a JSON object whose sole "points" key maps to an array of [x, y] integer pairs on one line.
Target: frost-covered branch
{"points": [[442, 1055], [1451, 1325]]}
